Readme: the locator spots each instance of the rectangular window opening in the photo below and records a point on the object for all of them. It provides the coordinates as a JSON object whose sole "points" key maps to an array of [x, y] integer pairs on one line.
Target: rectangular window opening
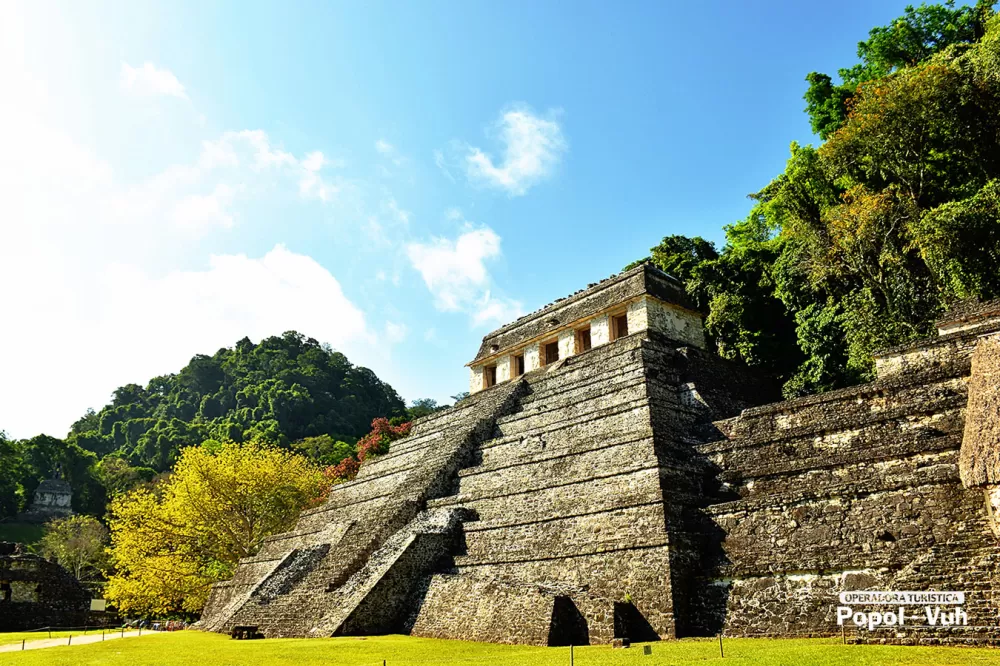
{"points": [[582, 340], [552, 352], [619, 326], [489, 376], [518, 363]]}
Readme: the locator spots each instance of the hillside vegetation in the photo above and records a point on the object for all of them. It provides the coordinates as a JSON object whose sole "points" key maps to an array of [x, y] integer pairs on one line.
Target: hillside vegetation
{"points": [[289, 391]]}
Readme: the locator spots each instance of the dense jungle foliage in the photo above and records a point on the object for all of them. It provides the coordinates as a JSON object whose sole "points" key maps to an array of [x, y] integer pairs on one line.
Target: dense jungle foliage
{"points": [[862, 242]]}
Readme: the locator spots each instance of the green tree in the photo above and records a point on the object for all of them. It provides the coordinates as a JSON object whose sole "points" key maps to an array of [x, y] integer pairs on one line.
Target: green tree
{"points": [[78, 544], [422, 407], [11, 476], [118, 477], [907, 41], [324, 449]]}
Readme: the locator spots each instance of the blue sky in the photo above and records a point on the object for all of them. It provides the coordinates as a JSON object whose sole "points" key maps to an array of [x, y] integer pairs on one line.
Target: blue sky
{"points": [[396, 179]]}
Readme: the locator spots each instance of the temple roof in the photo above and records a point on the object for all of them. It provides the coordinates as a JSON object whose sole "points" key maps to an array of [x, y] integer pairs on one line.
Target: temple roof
{"points": [[643, 279]]}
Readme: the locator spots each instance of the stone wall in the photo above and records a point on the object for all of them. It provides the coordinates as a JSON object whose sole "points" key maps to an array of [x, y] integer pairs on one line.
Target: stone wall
{"points": [[600, 331], [853, 489], [980, 458], [42, 593], [673, 322]]}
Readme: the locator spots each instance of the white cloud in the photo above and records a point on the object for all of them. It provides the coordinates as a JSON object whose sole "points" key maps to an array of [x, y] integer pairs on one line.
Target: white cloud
{"points": [[395, 333], [384, 147], [205, 210], [533, 146], [107, 285], [496, 310], [314, 161], [455, 273], [202, 310], [147, 80]]}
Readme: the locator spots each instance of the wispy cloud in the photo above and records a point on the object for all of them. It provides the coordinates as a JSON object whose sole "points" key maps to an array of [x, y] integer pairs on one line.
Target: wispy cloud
{"points": [[150, 80], [532, 148], [455, 273], [395, 333], [383, 147]]}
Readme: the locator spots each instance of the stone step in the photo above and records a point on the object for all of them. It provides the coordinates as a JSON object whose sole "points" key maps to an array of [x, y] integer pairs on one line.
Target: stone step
{"points": [[815, 454], [607, 390], [559, 450], [799, 496], [633, 487], [846, 405], [905, 410], [563, 427], [345, 599], [605, 529]]}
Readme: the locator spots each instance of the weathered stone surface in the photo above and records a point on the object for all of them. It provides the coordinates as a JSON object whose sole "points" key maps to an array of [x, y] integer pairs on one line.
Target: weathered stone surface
{"points": [[855, 489], [980, 459], [36, 593], [640, 490]]}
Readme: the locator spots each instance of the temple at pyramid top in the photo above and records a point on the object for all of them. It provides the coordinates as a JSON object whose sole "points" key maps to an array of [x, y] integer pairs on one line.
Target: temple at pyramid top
{"points": [[636, 300]]}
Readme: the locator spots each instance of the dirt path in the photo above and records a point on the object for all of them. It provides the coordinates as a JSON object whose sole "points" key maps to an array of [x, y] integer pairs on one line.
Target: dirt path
{"points": [[82, 639]]}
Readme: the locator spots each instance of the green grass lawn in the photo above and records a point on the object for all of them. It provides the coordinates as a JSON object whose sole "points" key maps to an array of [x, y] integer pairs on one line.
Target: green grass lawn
{"points": [[27, 533], [191, 647], [17, 636]]}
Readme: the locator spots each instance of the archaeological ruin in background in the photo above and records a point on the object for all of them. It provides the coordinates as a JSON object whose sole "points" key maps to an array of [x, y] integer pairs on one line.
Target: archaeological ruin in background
{"points": [[609, 477], [37, 593]]}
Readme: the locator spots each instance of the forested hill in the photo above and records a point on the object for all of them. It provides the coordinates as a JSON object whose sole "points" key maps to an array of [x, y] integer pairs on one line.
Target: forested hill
{"points": [[281, 390]]}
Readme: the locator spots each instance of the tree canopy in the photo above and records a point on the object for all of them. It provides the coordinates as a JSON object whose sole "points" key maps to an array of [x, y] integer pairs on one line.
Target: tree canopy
{"points": [[280, 390], [862, 242], [78, 544], [170, 542], [907, 41]]}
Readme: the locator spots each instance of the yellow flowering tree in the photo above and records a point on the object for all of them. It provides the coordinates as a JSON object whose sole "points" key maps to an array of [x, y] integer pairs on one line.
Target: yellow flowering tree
{"points": [[170, 542]]}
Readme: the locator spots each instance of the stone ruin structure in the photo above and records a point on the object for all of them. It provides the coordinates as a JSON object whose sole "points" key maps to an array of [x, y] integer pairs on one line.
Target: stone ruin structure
{"points": [[52, 499], [36, 593], [610, 478]]}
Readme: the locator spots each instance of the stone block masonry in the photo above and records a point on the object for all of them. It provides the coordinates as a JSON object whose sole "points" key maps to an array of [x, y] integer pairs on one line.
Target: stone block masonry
{"points": [[36, 593], [858, 489], [641, 489]]}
